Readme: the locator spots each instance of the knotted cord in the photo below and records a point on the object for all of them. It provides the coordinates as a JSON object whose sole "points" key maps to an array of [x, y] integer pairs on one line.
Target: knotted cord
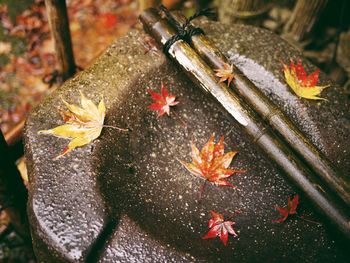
{"points": [[183, 32]]}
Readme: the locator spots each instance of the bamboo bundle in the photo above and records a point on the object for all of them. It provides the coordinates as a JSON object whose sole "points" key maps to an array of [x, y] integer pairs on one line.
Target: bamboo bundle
{"points": [[201, 74], [268, 111]]}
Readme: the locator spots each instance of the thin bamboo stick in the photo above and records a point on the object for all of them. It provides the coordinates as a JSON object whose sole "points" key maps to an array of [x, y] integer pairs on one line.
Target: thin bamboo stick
{"points": [[268, 111], [59, 25], [201, 74]]}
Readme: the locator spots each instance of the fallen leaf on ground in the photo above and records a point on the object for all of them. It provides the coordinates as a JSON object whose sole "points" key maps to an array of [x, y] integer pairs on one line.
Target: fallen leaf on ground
{"points": [[4, 18], [211, 163], [22, 168], [163, 101], [109, 19], [83, 124], [220, 228], [5, 48], [289, 210], [302, 84], [225, 73], [97, 22]]}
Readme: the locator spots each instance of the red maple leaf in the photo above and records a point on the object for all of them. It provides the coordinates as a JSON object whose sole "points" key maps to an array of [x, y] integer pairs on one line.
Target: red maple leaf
{"points": [[109, 20], [163, 101], [302, 84], [289, 210], [219, 227], [211, 163], [304, 79]]}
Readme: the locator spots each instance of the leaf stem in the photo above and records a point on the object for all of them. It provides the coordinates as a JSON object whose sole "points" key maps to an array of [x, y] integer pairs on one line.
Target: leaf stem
{"points": [[184, 124], [114, 127], [201, 189], [308, 220]]}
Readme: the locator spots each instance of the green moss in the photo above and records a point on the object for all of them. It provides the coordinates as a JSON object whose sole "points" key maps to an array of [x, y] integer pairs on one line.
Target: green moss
{"points": [[15, 8]]}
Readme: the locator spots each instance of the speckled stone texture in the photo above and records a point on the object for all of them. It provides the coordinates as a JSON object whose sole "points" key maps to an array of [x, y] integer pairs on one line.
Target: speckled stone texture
{"points": [[126, 198]]}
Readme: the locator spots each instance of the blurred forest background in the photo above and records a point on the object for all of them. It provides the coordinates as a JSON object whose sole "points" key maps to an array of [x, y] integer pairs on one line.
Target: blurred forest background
{"points": [[28, 70]]}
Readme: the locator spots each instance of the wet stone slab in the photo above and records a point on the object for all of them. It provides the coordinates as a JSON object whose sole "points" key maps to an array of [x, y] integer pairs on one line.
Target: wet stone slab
{"points": [[126, 197]]}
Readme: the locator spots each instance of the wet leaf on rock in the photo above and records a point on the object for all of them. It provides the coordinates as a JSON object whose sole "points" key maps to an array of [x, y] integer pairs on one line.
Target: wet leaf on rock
{"points": [[302, 84], [211, 163], [220, 228], [162, 101], [225, 73], [83, 124], [289, 210]]}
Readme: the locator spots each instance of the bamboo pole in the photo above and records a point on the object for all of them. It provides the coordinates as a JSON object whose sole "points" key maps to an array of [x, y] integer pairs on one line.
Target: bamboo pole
{"points": [[268, 111], [59, 25], [231, 11], [143, 4], [201, 74], [303, 19], [13, 193]]}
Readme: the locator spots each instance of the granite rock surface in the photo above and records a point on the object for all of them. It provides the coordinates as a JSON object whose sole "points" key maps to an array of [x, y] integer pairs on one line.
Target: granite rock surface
{"points": [[126, 197]]}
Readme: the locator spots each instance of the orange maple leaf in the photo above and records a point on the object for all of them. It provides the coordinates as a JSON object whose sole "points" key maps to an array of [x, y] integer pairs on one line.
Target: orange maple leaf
{"points": [[225, 73], [302, 84], [211, 163]]}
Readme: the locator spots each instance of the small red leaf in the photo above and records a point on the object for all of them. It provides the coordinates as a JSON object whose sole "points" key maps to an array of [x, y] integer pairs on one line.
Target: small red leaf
{"points": [[289, 210], [219, 228], [163, 101], [109, 20]]}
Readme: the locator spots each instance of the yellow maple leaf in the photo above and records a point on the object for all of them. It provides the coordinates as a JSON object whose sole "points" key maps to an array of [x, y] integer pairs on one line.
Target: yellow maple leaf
{"points": [[302, 84], [82, 124]]}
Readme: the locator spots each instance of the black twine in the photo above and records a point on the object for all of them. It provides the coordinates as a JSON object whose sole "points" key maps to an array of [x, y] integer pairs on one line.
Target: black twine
{"points": [[183, 32]]}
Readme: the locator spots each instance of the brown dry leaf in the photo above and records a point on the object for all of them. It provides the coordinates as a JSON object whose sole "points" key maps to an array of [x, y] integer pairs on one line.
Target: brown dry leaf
{"points": [[225, 73]]}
